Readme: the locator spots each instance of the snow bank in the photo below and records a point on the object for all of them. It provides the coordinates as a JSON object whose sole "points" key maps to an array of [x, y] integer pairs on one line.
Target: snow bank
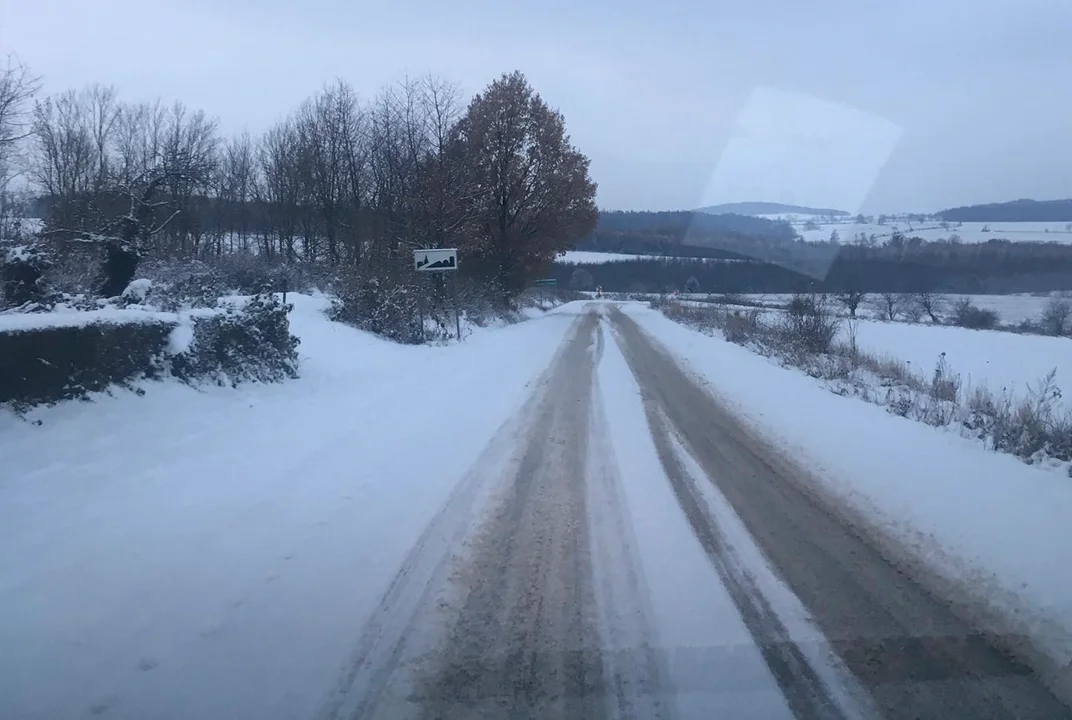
{"points": [[984, 519], [213, 552]]}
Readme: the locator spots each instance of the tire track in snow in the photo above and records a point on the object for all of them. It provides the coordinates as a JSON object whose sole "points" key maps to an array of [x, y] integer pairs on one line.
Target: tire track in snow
{"points": [[524, 643], [631, 662], [804, 691], [540, 610], [905, 645], [381, 663]]}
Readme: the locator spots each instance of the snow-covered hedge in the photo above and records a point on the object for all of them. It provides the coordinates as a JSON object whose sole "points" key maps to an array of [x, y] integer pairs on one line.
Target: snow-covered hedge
{"points": [[49, 364], [49, 357]]}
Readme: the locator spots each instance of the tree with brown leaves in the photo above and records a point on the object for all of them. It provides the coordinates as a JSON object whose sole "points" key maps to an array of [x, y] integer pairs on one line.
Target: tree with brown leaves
{"points": [[534, 197]]}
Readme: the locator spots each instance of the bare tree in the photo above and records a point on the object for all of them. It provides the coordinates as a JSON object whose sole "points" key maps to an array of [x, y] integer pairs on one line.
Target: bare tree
{"points": [[17, 88], [234, 183], [445, 191], [64, 154], [140, 131], [930, 303], [128, 237], [891, 305], [851, 299], [103, 109], [279, 189], [1055, 316]]}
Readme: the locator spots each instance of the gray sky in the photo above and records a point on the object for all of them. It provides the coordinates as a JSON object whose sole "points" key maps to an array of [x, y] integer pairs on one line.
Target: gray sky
{"points": [[904, 105]]}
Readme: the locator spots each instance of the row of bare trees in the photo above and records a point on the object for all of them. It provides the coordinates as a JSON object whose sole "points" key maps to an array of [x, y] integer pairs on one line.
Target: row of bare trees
{"points": [[345, 182]]}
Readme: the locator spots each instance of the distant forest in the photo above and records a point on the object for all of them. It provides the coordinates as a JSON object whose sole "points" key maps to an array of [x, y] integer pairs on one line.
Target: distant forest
{"points": [[685, 234], [1014, 211]]}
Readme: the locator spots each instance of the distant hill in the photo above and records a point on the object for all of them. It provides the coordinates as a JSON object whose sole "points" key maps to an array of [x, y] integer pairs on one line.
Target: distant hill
{"points": [[767, 208], [1014, 211]]}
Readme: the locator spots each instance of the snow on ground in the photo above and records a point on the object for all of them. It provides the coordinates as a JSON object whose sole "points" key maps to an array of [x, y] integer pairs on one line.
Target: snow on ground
{"points": [[692, 611], [15, 322], [1011, 309], [712, 659], [213, 552], [992, 359], [983, 518], [934, 230], [598, 258], [989, 358]]}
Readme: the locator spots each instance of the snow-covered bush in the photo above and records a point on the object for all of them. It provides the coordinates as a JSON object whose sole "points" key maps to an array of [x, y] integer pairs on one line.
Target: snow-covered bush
{"points": [[137, 292], [386, 308], [22, 275], [249, 343]]}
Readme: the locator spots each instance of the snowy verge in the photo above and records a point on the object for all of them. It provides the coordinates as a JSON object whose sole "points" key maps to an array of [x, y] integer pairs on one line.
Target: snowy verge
{"points": [[1029, 420], [156, 548], [996, 528]]}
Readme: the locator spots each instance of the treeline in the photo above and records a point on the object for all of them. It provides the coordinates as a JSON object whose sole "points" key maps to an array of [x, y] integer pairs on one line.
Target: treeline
{"points": [[997, 266], [689, 234], [344, 183], [1014, 211]]}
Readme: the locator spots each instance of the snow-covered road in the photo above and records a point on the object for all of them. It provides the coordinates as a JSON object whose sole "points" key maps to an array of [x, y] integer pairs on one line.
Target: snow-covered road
{"points": [[556, 518]]}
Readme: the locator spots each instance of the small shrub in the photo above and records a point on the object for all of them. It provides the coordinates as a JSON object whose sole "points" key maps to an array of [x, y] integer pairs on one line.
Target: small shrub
{"points": [[741, 327], [251, 343], [1055, 316], [967, 315], [23, 275], [381, 306], [945, 384], [809, 324]]}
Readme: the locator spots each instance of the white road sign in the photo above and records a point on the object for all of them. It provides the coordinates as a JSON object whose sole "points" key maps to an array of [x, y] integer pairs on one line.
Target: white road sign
{"points": [[435, 259]]}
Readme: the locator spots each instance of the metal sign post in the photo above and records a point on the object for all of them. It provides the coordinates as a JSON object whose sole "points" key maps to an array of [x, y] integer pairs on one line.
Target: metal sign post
{"points": [[457, 313], [439, 260], [543, 284]]}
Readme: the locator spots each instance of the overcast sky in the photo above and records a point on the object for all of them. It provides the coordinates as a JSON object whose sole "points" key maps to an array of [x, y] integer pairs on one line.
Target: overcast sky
{"points": [[907, 105]]}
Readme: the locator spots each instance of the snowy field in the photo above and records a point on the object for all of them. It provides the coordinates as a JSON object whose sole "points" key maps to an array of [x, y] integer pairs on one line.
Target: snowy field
{"points": [[995, 525], [599, 258], [153, 544], [934, 230], [1011, 309], [596, 258], [992, 359], [989, 358]]}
